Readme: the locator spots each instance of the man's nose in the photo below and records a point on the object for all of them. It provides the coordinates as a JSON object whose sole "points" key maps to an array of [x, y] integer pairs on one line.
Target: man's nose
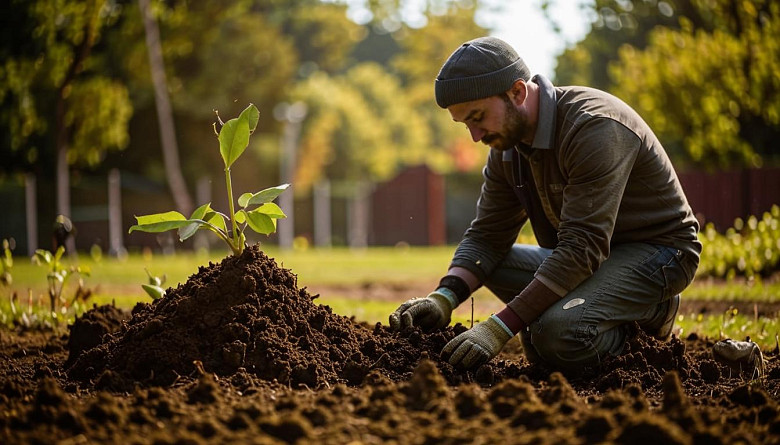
{"points": [[476, 133]]}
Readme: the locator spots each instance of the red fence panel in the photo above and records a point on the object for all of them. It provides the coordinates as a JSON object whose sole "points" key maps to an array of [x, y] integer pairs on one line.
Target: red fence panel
{"points": [[720, 197]]}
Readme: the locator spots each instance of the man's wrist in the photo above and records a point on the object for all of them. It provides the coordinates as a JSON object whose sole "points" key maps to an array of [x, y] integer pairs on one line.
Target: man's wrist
{"points": [[510, 320], [529, 304], [457, 286]]}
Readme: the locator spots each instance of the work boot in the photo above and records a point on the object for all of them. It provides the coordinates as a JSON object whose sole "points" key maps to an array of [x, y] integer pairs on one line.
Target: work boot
{"points": [[665, 331]]}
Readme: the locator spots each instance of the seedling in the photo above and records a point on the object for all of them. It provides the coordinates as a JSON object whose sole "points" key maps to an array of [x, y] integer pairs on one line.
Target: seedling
{"points": [[58, 275], [257, 211], [6, 263], [154, 287]]}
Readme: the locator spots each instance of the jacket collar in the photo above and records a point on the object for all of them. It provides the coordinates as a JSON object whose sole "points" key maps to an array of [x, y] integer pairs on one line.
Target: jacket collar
{"points": [[545, 127]]}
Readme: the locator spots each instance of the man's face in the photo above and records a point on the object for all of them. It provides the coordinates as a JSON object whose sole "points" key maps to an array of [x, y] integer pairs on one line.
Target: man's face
{"points": [[494, 121]]}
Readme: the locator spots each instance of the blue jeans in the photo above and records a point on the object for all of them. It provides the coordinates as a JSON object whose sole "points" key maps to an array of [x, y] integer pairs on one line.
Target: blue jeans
{"points": [[592, 321]]}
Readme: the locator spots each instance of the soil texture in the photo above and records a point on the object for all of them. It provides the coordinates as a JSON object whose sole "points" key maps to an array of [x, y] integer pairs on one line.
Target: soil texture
{"points": [[240, 354]]}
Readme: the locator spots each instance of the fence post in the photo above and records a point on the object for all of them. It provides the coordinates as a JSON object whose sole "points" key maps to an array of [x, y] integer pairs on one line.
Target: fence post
{"points": [[358, 216], [31, 213], [322, 218], [292, 115], [116, 245]]}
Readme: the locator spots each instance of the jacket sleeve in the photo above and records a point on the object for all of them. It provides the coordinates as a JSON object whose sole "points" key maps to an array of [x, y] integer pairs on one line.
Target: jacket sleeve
{"points": [[497, 224], [597, 162]]}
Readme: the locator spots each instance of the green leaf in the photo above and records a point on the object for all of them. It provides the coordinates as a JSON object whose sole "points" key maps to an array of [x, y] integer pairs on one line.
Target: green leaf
{"points": [[186, 232], [233, 139], [159, 222], [216, 219], [159, 217], [189, 230], [261, 223], [154, 291], [58, 254], [270, 209], [43, 256], [252, 115], [243, 200], [264, 196], [159, 227], [240, 217], [201, 211]]}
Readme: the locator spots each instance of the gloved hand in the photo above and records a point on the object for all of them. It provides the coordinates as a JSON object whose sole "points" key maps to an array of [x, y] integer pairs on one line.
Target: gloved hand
{"points": [[477, 345], [431, 312]]}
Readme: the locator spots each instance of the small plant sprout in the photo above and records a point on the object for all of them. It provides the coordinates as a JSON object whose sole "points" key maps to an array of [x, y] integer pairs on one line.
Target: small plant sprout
{"points": [[257, 211], [58, 275], [154, 287], [6, 263]]}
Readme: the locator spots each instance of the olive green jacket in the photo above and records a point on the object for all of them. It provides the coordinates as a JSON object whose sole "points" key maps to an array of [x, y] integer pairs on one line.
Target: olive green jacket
{"points": [[594, 176]]}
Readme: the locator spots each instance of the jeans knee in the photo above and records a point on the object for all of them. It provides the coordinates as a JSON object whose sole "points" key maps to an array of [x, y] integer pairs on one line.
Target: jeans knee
{"points": [[572, 347], [564, 345]]}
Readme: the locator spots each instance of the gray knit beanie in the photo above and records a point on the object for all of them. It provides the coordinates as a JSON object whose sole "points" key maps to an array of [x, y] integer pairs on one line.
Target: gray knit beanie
{"points": [[480, 68]]}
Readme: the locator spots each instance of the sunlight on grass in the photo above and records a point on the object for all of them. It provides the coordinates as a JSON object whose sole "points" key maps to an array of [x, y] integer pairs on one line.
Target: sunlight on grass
{"points": [[731, 324], [119, 281], [378, 311]]}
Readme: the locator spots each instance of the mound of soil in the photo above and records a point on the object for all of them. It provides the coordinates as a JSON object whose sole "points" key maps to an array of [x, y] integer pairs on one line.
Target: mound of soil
{"points": [[239, 354], [247, 315], [88, 329]]}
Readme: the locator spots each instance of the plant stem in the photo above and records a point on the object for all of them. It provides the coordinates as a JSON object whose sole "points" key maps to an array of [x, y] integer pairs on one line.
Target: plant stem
{"points": [[237, 249]]}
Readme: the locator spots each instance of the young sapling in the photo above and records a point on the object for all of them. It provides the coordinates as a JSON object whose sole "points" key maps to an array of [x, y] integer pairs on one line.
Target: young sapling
{"points": [[257, 211]]}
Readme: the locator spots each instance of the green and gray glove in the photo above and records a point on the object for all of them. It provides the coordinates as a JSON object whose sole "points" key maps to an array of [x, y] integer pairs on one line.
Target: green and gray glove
{"points": [[431, 312], [477, 345]]}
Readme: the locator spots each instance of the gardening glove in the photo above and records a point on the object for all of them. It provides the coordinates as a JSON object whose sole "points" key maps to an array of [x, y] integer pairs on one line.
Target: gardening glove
{"points": [[431, 312], [477, 345]]}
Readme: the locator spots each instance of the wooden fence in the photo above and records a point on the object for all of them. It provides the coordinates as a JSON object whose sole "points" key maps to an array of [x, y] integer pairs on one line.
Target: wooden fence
{"points": [[720, 197]]}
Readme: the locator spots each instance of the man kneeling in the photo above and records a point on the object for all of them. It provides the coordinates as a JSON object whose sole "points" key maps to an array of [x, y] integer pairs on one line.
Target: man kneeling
{"points": [[617, 238]]}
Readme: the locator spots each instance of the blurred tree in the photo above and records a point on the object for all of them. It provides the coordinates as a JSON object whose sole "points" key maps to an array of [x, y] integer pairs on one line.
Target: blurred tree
{"points": [[58, 107], [220, 56], [361, 126], [372, 121], [716, 93], [616, 22], [423, 51], [170, 148], [701, 72]]}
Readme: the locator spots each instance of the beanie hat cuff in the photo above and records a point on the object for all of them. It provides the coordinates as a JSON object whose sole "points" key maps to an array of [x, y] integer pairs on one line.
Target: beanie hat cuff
{"points": [[465, 89]]}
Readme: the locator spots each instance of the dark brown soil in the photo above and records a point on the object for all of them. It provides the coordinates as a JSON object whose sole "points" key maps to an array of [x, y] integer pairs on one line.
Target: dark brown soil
{"points": [[240, 354]]}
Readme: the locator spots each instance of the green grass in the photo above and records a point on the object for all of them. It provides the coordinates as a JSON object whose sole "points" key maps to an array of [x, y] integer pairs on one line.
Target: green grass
{"points": [[119, 281], [314, 266], [372, 311], [762, 330], [738, 289]]}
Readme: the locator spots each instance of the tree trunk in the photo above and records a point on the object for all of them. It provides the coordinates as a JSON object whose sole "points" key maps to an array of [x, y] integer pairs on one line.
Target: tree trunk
{"points": [[62, 133], [170, 150]]}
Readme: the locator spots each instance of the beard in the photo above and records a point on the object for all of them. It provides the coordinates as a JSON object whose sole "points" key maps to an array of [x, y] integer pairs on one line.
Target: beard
{"points": [[512, 132]]}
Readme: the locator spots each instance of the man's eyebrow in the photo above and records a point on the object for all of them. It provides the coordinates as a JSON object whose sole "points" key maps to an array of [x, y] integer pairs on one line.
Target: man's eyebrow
{"points": [[471, 115]]}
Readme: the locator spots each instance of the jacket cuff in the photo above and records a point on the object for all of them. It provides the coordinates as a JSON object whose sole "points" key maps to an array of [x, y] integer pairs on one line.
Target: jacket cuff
{"points": [[457, 285], [510, 320], [533, 301]]}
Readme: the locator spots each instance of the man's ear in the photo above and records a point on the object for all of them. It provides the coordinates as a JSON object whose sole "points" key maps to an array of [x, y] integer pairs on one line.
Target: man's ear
{"points": [[518, 92]]}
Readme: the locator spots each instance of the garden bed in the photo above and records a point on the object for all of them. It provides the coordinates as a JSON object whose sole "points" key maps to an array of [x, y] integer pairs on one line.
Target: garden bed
{"points": [[239, 353]]}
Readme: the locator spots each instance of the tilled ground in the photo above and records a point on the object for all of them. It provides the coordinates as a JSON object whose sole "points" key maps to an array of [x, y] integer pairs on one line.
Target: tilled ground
{"points": [[240, 354]]}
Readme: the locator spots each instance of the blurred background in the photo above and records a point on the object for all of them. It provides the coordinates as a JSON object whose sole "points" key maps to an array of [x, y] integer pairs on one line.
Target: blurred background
{"points": [[107, 109]]}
